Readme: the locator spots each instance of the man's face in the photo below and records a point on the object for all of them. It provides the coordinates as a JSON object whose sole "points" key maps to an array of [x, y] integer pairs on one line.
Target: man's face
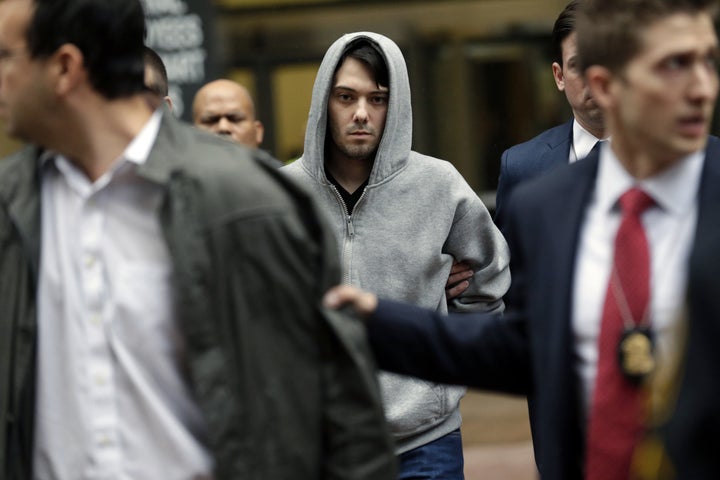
{"points": [[662, 101], [225, 108], [356, 111], [20, 87], [569, 79]]}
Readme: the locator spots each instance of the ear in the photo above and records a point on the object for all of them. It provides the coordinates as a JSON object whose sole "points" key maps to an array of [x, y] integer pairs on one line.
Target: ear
{"points": [[558, 76], [68, 68], [259, 132], [600, 81], [169, 102]]}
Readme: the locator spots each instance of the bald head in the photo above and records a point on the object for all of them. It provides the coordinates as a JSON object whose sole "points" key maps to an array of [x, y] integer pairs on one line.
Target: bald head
{"points": [[224, 107]]}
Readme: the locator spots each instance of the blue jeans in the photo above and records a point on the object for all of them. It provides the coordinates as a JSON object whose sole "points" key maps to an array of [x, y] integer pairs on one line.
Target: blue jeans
{"points": [[441, 459]]}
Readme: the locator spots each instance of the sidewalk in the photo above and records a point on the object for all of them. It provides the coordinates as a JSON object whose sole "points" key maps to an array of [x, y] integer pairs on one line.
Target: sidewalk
{"points": [[496, 438], [509, 461]]}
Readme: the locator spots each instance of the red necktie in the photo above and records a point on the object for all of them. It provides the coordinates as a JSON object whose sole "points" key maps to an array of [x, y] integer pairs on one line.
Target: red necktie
{"points": [[618, 406]]}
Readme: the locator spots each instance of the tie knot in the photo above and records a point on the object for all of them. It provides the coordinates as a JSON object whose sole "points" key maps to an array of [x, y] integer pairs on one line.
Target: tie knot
{"points": [[635, 201]]}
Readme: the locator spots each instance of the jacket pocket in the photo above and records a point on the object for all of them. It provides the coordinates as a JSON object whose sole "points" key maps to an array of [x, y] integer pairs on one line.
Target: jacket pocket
{"points": [[413, 405]]}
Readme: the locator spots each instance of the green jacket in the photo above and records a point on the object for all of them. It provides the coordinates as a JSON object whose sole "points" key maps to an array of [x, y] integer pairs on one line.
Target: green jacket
{"points": [[287, 388]]}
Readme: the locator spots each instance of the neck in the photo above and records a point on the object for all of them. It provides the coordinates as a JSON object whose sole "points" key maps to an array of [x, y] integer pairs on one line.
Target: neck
{"points": [[642, 163], [94, 136], [597, 131], [350, 173]]}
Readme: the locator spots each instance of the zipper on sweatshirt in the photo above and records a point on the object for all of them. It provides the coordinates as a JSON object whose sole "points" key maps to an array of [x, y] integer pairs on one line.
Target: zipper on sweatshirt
{"points": [[347, 241], [349, 234]]}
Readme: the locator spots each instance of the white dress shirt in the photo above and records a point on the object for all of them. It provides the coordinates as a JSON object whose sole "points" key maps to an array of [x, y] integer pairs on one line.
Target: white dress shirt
{"points": [[670, 229], [113, 402], [583, 142]]}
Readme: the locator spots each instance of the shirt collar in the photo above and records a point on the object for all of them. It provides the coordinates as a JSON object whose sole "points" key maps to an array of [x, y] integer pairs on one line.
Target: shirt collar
{"points": [[137, 151], [675, 190], [583, 141]]}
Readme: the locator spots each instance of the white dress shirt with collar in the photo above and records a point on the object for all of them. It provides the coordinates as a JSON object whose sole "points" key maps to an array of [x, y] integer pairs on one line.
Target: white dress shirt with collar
{"points": [[583, 142], [112, 400], [670, 229]]}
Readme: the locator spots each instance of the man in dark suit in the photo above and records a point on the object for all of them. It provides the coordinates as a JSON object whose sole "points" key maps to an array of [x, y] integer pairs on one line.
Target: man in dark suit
{"points": [[693, 431], [580, 325], [565, 143]]}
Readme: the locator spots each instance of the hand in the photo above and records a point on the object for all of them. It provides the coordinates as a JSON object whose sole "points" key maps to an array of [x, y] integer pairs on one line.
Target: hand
{"points": [[363, 302], [458, 282]]}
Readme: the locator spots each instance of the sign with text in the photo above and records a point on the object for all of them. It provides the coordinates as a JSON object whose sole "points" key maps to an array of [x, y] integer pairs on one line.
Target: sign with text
{"points": [[182, 32]]}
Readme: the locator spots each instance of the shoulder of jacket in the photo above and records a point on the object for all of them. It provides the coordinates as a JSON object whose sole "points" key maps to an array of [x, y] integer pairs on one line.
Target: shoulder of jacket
{"points": [[555, 183], [549, 138], [430, 164], [295, 167], [431, 170], [438, 175], [21, 164], [26, 153]]}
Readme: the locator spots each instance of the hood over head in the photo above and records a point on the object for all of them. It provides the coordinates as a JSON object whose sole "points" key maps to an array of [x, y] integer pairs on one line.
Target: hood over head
{"points": [[394, 148]]}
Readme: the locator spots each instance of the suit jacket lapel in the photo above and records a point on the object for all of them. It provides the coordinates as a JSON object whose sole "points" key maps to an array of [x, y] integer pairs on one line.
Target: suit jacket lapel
{"points": [[558, 150], [571, 198], [545, 242]]}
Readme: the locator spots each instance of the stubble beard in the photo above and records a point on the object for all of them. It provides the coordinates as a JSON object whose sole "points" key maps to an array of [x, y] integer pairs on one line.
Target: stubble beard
{"points": [[358, 152], [344, 145]]}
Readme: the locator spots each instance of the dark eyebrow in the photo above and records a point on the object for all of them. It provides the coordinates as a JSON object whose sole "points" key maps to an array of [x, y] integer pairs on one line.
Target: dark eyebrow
{"points": [[348, 89]]}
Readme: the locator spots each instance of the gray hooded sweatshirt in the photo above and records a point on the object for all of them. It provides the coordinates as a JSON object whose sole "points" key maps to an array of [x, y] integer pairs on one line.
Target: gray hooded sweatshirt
{"points": [[416, 215]]}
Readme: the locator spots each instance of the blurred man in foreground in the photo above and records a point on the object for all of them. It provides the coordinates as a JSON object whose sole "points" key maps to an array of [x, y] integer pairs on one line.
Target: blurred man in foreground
{"points": [[141, 334]]}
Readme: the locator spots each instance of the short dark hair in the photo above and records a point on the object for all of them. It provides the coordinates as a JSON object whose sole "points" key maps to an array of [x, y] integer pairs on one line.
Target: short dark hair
{"points": [[564, 26], [153, 61], [366, 52], [609, 30], [109, 33]]}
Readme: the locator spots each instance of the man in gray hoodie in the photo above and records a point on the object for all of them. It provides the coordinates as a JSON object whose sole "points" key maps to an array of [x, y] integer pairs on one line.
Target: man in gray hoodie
{"points": [[400, 218]]}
